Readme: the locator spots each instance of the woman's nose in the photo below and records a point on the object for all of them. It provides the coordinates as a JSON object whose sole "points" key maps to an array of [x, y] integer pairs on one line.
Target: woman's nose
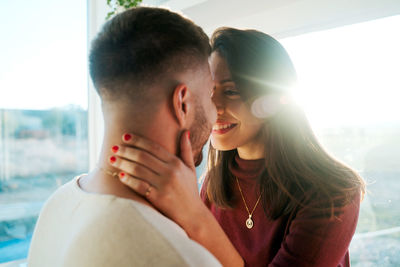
{"points": [[218, 103], [220, 110]]}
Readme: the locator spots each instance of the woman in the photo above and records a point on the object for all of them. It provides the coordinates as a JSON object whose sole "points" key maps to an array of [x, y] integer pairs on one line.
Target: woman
{"points": [[278, 195]]}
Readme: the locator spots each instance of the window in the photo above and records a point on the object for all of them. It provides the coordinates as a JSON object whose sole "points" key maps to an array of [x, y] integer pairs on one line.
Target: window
{"points": [[349, 85], [43, 111]]}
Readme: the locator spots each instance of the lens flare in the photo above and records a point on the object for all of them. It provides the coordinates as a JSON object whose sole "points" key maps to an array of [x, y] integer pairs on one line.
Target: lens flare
{"points": [[268, 105]]}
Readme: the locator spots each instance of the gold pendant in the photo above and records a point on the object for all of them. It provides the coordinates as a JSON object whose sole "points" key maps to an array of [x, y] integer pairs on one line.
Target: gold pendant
{"points": [[249, 222]]}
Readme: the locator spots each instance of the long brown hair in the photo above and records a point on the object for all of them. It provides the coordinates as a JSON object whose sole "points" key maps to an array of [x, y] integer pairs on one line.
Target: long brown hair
{"points": [[297, 168]]}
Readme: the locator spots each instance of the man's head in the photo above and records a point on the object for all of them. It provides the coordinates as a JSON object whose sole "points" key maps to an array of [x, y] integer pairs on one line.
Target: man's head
{"points": [[150, 65]]}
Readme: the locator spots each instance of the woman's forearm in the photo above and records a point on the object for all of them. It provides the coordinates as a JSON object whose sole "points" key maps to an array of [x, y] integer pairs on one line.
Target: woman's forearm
{"points": [[208, 233]]}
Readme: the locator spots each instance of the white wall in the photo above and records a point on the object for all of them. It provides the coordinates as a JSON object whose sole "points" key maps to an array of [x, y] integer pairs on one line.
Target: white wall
{"points": [[283, 18]]}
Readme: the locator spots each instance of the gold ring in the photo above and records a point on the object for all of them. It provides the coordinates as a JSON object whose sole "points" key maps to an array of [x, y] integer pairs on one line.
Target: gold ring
{"points": [[148, 191]]}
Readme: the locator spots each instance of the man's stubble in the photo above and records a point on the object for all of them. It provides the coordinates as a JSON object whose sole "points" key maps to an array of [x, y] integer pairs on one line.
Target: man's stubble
{"points": [[199, 133]]}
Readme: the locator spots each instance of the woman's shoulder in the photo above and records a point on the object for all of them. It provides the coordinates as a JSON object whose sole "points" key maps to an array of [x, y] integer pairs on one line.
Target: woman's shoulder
{"points": [[322, 205]]}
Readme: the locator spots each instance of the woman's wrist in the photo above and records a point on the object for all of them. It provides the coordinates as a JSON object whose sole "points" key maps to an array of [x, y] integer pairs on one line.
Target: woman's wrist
{"points": [[197, 222], [205, 230]]}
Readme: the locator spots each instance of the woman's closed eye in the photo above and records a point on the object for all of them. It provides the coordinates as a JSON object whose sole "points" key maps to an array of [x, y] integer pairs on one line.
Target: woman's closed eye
{"points": [[231, 92]]}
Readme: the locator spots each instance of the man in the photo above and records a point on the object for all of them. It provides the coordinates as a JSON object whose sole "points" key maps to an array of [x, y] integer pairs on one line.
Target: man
{"points": [[150, 68]]}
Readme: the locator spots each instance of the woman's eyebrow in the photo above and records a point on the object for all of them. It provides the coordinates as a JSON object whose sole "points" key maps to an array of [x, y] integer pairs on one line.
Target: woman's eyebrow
{"points": [[226, 81]]}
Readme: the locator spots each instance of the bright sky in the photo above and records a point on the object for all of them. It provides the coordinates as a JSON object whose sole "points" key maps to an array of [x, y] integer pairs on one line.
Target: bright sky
{"points": [[43, 54], [348, 75]]}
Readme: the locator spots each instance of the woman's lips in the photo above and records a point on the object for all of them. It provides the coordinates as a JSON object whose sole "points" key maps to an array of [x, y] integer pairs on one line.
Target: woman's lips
{"points": [[221, 128]]}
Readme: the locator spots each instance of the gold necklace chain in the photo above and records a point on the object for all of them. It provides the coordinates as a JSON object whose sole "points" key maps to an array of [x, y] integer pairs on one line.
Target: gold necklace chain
{"points": [[249, 221], [113, 174]]}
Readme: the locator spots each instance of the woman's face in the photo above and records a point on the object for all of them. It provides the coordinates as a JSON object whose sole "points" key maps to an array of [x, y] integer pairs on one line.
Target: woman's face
{"points": [[236, 127]]}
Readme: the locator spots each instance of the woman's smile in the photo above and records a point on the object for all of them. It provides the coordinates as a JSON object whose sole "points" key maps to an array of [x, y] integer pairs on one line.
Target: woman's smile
{"points": [[222, 127]]}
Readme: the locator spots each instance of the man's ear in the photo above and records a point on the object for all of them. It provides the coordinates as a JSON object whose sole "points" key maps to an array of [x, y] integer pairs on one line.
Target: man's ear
{"points": [[181, 104]]}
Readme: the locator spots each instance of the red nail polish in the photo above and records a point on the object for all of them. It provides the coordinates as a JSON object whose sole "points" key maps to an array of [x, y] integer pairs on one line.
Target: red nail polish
{"points": [[121, 175], [115, 149], [188, 135], [127, 137], [113, 159]]}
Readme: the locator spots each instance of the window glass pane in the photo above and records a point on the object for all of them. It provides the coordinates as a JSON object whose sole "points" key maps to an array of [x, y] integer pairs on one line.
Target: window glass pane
{"points": [[43, 111], [350, 88]]}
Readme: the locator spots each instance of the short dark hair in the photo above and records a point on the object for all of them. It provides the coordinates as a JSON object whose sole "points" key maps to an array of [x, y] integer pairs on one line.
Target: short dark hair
{"points": [[141, 46]]}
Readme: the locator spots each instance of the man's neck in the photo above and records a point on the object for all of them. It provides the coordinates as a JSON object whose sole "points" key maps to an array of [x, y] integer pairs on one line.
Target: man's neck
{"points": [[99, 180]]}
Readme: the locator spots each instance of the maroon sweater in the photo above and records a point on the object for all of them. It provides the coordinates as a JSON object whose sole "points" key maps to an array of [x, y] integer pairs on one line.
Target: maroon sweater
{"points": [[303, 238]]}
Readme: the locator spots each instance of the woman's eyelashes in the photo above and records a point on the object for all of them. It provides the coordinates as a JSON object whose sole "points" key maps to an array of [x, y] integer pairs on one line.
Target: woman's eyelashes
{"points": [[231, 92]]}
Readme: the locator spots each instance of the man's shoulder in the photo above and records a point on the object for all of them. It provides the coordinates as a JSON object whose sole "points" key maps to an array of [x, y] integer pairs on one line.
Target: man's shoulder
{"points": [[65, 191], [96, 227], [142, 237]]}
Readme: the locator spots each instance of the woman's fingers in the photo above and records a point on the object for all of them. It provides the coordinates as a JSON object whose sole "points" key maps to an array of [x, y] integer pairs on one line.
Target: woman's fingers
{"points": [[139, 186], [186, 152], [147, 145], [155, 152], [140, 156], [136, 170]]}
